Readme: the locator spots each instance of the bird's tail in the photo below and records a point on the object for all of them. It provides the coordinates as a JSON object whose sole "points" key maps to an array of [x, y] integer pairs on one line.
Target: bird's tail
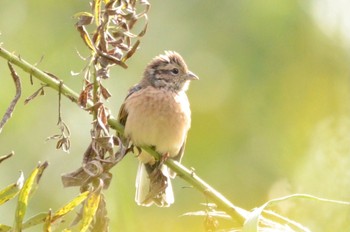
{"points": [[153, 185]]}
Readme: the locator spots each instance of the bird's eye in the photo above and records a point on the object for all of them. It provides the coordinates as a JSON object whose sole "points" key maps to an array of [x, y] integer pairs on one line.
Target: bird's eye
{"points": [[175, 71]]}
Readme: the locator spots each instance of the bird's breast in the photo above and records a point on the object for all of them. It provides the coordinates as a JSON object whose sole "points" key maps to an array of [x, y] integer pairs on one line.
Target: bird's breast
{"points": [[159, 118]]}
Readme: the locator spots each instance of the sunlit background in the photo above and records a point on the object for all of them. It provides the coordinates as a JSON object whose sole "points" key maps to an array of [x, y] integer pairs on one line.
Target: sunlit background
{"points": [[270, 112]]}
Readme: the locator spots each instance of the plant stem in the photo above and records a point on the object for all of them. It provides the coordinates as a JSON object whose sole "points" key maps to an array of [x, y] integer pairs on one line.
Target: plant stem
{"points": [[46, 78], [237, 214]]}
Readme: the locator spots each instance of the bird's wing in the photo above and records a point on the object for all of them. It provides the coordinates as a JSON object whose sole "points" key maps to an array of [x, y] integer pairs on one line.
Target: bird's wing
{"points": [[123, 114]]}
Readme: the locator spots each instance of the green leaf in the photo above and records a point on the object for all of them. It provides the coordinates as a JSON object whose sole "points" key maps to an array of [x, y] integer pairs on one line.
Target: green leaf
{"points": [[35, 220], [5, 228], [70, 206], [90, 207], [29, 187], [12, 190]]}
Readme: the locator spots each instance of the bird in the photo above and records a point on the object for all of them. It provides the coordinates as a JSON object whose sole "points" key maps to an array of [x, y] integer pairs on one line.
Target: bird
{"points": [[156, 113]]}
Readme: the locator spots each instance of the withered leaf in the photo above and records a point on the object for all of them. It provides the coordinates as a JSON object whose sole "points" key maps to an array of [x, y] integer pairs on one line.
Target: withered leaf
{"points": [[84, 35], [103, 114], [103, 43], [113, 59], [11, 108], [103, 73], [143, 32], [64, 143], [101, 222], [85, 95], [105, 93], [35, 94], [129, 34], [84, 18], [83, 98], [75, 178], [101, 120], [94, 107], [96, 38], [106, 142], [53, 137], [93, 168], [132, 51]]}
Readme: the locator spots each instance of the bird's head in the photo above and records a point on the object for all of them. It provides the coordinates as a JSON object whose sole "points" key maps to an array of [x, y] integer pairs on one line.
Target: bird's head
{"points": [[169, 71]]}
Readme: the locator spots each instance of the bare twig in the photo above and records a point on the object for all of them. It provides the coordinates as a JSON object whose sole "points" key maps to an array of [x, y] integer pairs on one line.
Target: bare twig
{"points": [[40, 75], [4, 157], [11, 108]]}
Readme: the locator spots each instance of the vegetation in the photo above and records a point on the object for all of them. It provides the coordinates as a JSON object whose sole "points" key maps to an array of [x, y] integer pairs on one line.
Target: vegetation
{"points": [[258, 131]]}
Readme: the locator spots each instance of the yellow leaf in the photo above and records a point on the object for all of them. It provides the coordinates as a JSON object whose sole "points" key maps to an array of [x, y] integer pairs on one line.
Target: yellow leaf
{"points": [[84, 35], [97, 11], [12, 190], [47, 224], [5, 228], [28, 188], [90, 207], [70, 206]]}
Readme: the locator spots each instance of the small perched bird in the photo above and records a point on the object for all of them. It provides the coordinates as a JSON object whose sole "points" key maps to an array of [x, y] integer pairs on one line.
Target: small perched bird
{"points": [[156, 112]]}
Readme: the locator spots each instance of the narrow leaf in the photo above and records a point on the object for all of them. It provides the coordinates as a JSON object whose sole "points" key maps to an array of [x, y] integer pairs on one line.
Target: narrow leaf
{"points": [[105, 93], [84, 18], [5, 228], [70, 206], [85, 13], [143, 32], [90, 207], [97, 12], [84, 35], [35, 220], [34, 95], [132, 51], [47, 224], [12, 190], [28, 188]]}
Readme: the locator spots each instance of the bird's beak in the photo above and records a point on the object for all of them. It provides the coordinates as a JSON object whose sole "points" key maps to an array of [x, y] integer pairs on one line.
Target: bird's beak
{"points": [[191, 76]]}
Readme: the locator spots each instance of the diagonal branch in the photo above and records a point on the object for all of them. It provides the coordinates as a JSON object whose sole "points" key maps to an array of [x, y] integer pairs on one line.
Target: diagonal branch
{"points": [[47, 78], [238, 214]]}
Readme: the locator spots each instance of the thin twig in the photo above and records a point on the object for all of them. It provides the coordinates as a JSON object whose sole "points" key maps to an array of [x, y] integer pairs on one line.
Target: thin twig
{"points": [[59, 102], [237, 214], [5, 157], [40, 75], [11, 108]]}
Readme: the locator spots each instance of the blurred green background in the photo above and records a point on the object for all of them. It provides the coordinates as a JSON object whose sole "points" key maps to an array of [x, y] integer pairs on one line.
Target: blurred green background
{"points": [[270, 112]]}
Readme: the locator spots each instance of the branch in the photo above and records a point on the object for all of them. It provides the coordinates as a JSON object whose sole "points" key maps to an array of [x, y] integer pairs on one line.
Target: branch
{"points": [[238, 214], [45, 77]]}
